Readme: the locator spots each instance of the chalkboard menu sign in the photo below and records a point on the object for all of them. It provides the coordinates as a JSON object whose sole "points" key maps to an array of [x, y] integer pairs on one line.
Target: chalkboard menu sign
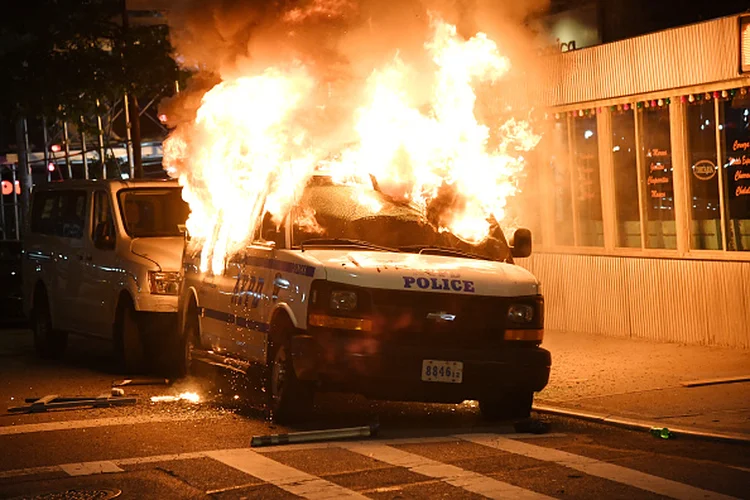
{"points": [[657, 159], [736, 146]]}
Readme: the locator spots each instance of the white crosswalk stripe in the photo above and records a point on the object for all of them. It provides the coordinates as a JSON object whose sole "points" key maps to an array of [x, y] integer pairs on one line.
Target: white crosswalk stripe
{"points": [[285, 477], [264, 465], [595, 467], [455, 476]]}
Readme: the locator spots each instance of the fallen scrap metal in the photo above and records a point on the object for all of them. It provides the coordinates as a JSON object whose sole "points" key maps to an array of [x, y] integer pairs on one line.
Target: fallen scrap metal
{"points": [[715, 381], [55, 402], [319, 435], [142, 381]]}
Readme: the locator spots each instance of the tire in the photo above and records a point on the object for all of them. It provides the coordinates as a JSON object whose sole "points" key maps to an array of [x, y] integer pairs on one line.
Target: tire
{"points": [[179, 355], [290, 399], [128, 344], [511, 406], [49, 343]]}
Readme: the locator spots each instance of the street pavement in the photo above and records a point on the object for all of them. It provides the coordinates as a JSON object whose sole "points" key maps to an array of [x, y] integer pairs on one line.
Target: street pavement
{"points": [[642, 384], [186, 450]]}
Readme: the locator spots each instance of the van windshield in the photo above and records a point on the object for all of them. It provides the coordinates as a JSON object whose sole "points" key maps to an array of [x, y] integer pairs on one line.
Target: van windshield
{"points": [[332, 214], [153, 212]]}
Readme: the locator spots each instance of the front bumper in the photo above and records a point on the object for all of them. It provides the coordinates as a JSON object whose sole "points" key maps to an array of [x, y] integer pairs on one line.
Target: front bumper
{"points": [[382, 370]]}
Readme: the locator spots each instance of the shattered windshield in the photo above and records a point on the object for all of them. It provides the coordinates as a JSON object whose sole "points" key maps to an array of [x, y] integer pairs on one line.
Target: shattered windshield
{"points": [[358, 215]]}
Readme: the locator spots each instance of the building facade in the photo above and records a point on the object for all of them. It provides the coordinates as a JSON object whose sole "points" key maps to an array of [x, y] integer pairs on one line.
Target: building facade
{"points": [[642, 187]]}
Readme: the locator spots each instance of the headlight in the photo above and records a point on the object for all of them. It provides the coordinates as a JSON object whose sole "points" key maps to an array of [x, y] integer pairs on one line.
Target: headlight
{"points": [[164, 283], [520, 313], [343, 300]]}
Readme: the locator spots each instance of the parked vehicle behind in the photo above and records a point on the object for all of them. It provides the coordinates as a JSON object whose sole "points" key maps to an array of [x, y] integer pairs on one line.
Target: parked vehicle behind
{"points": [[10, 278], [102, 258], [371, 299]]}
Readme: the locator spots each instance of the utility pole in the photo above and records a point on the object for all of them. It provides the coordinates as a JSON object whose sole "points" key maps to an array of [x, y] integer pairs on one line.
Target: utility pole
{"points": [[23, 166], [132, 101]]}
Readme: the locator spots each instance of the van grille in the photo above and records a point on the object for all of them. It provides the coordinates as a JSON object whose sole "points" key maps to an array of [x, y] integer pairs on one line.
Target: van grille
{"points": [[414, 318]]}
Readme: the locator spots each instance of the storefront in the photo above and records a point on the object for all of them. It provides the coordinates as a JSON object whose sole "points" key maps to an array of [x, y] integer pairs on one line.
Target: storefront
{"points": [[641, 186]]}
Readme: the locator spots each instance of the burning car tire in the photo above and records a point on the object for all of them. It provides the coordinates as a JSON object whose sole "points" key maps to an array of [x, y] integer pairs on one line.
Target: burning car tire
{"points": [[290, 399], [515, 405], [49, 343]]}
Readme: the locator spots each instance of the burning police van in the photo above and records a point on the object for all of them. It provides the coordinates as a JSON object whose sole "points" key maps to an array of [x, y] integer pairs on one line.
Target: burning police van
{"points": [[364, 295]]}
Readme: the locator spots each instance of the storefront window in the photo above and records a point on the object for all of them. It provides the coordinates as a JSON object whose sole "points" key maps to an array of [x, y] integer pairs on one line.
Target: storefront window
{"points": [[626, 179], [705, 221], [526, 207], [588, 201], [557, 153], [735, 144], [656, 158]]}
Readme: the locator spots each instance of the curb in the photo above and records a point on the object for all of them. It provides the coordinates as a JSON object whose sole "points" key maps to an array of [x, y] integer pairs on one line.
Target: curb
{"points": [[643, 425]]}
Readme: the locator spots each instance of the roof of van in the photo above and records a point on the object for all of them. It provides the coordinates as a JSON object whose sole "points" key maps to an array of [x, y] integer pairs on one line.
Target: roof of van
{"points": [[113, 184]]}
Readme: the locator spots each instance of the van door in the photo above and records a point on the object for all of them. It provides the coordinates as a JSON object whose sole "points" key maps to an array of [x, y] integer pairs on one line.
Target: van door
{"points": [[69, 253], [251, 299], [217, 318], [103, 273]]}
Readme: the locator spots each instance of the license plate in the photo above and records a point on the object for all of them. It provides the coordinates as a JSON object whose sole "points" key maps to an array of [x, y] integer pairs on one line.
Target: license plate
{"points": [[434, 370]]}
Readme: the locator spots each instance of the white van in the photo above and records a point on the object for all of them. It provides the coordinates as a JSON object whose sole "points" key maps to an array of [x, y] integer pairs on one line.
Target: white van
{"points": [[375, 302], [103, 258]]}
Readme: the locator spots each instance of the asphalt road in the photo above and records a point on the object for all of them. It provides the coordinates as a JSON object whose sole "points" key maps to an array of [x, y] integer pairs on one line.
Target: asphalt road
{"points": [[181, 449]]}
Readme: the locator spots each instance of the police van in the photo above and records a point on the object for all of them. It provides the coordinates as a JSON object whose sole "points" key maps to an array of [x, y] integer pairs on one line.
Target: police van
{"points": [[370, 298]]}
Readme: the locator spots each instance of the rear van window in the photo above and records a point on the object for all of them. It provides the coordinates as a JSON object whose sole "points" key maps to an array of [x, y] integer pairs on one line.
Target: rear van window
{"points": [[59, 213]]}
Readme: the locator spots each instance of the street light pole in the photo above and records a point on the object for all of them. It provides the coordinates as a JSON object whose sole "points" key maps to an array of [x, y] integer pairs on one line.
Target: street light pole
{"points": [[131, 103]]}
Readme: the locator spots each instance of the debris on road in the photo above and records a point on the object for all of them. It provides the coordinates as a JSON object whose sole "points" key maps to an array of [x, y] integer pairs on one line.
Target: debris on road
{"points": [[312, 436], [715, 381], [662, 432], [142, 381], [55, 402]]}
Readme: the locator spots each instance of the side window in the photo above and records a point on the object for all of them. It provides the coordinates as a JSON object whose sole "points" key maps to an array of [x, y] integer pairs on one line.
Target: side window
{"points": [[72, 215], [44, 212], [103, 227]]}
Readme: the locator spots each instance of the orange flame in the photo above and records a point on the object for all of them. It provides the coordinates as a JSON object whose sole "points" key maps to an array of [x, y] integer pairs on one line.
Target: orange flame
{"points": [[250, 149]]}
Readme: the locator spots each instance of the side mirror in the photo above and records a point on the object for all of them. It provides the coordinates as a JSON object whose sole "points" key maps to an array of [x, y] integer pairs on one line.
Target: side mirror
{"points": [[520, 243], [104, 236]]}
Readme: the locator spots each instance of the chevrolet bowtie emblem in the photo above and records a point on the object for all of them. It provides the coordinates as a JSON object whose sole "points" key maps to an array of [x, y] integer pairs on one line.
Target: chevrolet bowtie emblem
{"points": [[441, 317]]}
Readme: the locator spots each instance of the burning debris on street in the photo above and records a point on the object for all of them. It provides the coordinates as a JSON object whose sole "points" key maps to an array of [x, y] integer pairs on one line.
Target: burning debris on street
{"points": [[411, 95]]}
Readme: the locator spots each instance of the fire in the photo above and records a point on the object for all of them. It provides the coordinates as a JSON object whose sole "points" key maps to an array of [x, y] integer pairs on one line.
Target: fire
{"points": [[253, 144], [190, 397]]}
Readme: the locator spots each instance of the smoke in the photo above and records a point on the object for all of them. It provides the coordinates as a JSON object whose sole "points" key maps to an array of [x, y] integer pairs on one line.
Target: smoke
{"points": [[332, 51], [340, 41]]}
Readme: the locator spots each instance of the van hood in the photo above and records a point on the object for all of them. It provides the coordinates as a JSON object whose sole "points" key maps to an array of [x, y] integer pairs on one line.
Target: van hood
{"points": [[165, 252], [427, 273]]}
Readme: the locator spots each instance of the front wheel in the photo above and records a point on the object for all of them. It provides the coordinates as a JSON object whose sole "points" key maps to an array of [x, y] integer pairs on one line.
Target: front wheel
{"points": [[128, 342], [509, 406], [290, 399], [179, 355], [49, 343]]}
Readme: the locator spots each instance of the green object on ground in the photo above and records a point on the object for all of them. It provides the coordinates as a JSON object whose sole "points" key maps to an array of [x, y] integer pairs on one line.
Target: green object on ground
{"points": [[662, 432]]}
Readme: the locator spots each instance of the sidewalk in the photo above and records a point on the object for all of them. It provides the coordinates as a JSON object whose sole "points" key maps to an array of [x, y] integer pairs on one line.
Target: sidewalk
{"points": [[639, 383]]}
